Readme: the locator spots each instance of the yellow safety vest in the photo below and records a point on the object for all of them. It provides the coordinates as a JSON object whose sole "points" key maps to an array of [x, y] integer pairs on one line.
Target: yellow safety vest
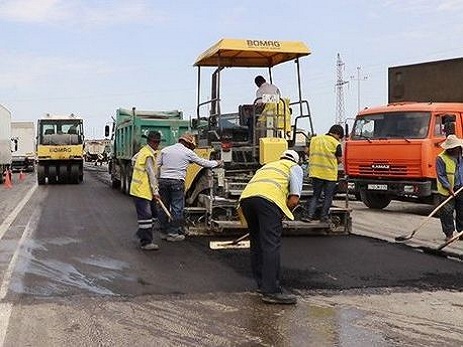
{"points": [[323, 163], [140, 185], [271, 182], [281, 114], [450, 168]]}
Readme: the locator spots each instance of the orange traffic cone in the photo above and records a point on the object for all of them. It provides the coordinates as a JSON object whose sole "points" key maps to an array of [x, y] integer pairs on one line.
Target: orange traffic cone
{"points": [[8, 183], [22, 176]]}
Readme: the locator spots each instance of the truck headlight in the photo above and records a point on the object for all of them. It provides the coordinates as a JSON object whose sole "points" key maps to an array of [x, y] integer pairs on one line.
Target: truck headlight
{"points": [[409, 189]]}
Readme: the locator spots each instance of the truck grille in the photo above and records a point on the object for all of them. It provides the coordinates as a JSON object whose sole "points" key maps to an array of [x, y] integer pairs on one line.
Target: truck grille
{"points": [[392, 170], [385, 170]]}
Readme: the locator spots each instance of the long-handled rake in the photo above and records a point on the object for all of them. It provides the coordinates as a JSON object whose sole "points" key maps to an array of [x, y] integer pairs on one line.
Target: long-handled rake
{"points": [[438, 250], [409, 236]]}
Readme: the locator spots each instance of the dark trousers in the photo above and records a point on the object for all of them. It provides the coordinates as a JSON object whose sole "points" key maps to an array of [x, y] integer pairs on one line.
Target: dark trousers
{"points": [[172, 194], [446, 214], [146, 215], [264, 220], [320, 187]]}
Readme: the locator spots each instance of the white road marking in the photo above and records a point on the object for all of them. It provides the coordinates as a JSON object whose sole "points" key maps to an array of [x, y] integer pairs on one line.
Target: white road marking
{"points": [[7, 308], [5, 313], [14, 259], [12, 216]]}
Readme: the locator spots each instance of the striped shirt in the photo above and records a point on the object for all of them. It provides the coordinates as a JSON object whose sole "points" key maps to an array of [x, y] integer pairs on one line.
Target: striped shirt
{"points": [[173, 161]]}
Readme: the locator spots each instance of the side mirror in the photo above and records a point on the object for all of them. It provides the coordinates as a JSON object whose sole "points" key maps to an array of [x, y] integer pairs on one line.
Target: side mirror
{"points": [[106, 131], [194, 123]]}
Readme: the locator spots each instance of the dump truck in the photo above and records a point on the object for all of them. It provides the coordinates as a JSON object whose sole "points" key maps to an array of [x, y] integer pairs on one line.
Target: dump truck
{"points": [[391, 151], [23, 137], [128, 128], [95, 150], [5, 140], [60, 149], [253, 134]]}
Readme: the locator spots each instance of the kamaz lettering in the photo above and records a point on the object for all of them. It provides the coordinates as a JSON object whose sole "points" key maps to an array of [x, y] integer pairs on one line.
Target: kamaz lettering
{"points": [[63, 149], [380, 166], [263, 43]]}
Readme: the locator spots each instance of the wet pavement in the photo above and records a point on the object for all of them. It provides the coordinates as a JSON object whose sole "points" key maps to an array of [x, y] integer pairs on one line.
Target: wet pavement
{"points": [[79, 279]]}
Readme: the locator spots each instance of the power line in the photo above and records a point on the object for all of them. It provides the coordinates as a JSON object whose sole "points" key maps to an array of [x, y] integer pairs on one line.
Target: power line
{"points": [[359, 78]]}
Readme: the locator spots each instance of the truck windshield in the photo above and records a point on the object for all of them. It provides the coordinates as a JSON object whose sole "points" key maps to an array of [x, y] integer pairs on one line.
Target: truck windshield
{"points": [[396, 125], [61, 132]]}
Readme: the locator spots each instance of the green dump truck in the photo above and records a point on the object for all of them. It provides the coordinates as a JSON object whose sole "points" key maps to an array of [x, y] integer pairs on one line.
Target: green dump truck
{"points": [[126, 138]]}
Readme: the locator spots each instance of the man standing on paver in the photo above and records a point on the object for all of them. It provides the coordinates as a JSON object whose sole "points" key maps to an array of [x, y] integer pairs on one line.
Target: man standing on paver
{"points": [[449, 167], [325, 154], [145, 192], [270, 195], [172, 163]]}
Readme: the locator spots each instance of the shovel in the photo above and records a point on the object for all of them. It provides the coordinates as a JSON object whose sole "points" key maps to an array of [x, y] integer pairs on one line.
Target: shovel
{"points": [[237, 243], [164, 208], [409, 236]]}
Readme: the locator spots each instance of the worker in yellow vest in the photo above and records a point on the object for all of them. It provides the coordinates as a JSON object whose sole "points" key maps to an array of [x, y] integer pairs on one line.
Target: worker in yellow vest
{"points": [[145, 191], [325, 154], [449, 169], [270, 196]]}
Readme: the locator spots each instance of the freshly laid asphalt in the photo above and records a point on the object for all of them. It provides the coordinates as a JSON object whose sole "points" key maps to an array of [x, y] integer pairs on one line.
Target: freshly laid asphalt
{"points": [[84, 243]]}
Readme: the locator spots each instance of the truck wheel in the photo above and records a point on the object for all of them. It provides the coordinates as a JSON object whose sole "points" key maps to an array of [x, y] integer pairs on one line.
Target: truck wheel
{"points": [[40, 174], [128, 179], [375, 201], [122, 186], [52, 174], [116, 184], [75, 174], [63, 175]]}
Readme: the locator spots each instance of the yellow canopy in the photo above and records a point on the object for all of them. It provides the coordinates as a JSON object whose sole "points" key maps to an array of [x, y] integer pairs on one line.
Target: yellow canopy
{"points": [[251, 53]]}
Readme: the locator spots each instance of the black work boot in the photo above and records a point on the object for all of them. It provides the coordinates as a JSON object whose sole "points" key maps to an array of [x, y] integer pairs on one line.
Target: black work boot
{"points": [[281, 298]]}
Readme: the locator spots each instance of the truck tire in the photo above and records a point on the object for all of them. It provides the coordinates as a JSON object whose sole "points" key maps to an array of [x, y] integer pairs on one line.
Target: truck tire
{"points": [[40, 174], [63, 175], [116, 184], [375, 201], [128, 180], [52, 174], [74, 174], [122, 186]]}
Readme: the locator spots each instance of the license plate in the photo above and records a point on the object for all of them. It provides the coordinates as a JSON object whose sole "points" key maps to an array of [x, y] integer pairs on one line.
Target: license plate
{"points": [[377, 187]]}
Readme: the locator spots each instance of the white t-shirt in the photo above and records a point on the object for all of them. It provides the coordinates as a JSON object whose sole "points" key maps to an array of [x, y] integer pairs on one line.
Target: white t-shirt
{"points": [[173, 161], [266, 88]]}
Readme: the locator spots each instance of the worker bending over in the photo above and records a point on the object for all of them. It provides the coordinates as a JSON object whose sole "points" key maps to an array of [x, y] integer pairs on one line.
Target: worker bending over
{"points": [[270, 196]]}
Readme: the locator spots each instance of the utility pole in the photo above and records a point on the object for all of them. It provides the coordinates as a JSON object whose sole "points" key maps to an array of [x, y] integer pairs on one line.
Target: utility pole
{"points": [[340, 110], [359, 79]]}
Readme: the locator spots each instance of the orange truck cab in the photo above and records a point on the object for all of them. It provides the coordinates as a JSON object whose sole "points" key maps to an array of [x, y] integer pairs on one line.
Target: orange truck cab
{"points": [[391, 151]]}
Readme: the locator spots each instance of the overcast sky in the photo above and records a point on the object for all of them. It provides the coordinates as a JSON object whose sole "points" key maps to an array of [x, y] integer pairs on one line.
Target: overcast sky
{"points": [[91, 57]]}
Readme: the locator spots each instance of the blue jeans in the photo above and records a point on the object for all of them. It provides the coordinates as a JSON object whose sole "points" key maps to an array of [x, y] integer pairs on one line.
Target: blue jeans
{"points": [[146, 216], [172, 194], [320, 187]]}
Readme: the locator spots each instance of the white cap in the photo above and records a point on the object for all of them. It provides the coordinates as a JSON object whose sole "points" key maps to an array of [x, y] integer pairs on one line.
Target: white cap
{"points": [[291, 155]]}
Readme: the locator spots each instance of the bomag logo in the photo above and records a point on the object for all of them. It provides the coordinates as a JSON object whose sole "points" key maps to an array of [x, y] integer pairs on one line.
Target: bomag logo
{"points": [[263, 44], [60, 150]]}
